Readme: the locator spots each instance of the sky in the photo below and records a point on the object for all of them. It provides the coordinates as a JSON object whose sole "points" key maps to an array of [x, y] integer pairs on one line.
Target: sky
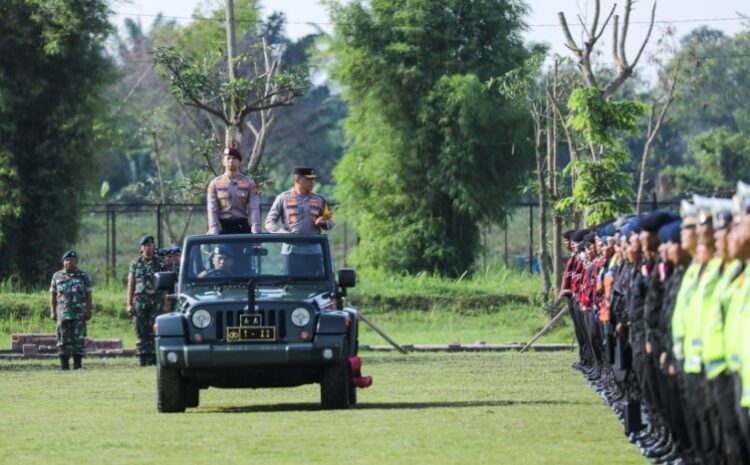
{"points": [[676, 16]]}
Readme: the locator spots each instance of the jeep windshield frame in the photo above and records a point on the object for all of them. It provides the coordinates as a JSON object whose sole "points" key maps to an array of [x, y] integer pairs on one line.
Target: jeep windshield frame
{"points": [[264, 258]]}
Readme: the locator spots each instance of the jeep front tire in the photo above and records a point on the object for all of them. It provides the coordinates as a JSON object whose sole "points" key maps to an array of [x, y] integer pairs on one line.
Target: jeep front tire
{"points": [[170, 390]]}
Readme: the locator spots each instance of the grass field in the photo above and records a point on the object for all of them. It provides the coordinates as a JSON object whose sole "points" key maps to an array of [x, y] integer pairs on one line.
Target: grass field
{"points": [[423, 409]]}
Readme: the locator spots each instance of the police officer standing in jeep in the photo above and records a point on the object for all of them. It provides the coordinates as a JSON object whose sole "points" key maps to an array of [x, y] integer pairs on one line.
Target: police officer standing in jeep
{"points": [[232, 199], [301, 211]]}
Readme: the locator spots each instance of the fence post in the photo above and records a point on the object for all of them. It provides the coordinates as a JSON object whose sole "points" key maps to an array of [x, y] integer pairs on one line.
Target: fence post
{"points": [[654, 202], [531, 239], [505, 245], [106, 253], [114, 243], [346, 246]]}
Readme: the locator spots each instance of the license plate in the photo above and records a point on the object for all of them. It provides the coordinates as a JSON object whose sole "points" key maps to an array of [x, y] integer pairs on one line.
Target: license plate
{"points": [[251, 333], [251, 320]]}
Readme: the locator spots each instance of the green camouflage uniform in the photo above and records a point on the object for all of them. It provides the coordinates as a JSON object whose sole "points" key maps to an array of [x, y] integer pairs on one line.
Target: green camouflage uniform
{"points": [[147, 301], [71, 290]]}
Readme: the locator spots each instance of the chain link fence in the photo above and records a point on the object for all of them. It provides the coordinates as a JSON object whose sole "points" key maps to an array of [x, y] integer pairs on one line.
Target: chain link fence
{"points": [[109, 234]]}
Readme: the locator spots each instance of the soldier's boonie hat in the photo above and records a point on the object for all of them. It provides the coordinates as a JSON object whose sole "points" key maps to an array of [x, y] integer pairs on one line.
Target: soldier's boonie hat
{"points": [[69, 254], [670, 232], [703, 208], [689, 214], [305, 171], [652, 222], [721, 211], [231, 151], [146, 239], [221, 250]]}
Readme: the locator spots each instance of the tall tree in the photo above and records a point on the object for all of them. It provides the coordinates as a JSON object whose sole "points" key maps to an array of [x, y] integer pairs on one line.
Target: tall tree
{"points": [[51, 73], [431, 155], [239, 92]]}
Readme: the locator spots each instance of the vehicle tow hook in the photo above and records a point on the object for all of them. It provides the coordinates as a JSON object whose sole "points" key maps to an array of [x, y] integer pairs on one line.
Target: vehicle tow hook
{"points": [[355, 365]]}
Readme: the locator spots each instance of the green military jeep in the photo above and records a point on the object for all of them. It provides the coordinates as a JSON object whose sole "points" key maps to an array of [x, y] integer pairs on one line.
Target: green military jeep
{"points": [[256, 311]]}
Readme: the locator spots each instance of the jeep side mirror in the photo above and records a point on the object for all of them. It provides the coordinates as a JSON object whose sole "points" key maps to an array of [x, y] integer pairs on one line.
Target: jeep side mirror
{"points": [[347, 278], [165, 280]]}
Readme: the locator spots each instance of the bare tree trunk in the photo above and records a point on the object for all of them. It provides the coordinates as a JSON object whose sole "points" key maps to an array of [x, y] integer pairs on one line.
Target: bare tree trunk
{"points": [[233, 133], [554, 191], [652, 131], [162, 197], [542, 254]]}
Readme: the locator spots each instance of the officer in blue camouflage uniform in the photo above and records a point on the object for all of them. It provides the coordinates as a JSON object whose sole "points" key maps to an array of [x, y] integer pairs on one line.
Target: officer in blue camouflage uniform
{"points": [[301, 211], [144, 301], [70, 305], [232, 201]]}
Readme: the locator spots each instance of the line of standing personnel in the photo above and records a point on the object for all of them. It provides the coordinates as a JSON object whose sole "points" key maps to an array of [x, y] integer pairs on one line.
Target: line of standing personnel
{"points": [[660, 310]]}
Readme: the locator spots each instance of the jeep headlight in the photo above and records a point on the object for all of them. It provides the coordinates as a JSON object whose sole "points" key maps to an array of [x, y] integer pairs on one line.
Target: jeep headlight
{"points": [[201, 319], [300, 316]]}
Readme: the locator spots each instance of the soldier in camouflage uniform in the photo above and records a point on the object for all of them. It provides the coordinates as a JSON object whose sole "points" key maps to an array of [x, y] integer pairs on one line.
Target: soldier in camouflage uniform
{"points": [[70, 305], [144, 301]]}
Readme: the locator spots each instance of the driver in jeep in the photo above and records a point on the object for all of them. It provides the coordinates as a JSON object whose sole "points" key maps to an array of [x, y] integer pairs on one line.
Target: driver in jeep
{"points": [[222, 263]]}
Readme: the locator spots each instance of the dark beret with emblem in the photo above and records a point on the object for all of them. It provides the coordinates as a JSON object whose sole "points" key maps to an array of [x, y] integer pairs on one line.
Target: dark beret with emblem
{"points": [[70, 254], [146, 239], [652, 222], [231, 151], [305, 171], [221, 250]]}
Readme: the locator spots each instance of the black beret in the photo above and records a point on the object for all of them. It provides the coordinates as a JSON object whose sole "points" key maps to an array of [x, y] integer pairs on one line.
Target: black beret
{"points": [[70, 254], [579, 235], [568, 234], [652, 222], [146, 239]]}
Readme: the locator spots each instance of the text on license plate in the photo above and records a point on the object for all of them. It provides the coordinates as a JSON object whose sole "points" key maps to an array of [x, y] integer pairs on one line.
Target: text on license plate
{"points": [[251, 333]]}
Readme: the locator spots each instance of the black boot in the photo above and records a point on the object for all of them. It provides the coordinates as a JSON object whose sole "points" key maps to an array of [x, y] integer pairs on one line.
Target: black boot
{"points": [[64, 362], [77, 361], [143, 359], [152, 359]]}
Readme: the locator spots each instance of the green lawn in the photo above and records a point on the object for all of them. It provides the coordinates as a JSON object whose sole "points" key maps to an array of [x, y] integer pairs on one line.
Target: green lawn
{"points": [[432, 409]]}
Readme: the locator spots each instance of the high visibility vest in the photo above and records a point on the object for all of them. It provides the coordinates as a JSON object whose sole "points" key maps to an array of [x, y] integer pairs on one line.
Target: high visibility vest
{"points": [[714, 362], [687, 287], [695, 315], [736, 315]]}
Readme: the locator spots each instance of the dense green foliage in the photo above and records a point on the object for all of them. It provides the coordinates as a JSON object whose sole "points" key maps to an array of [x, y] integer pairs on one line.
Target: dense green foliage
{"points": [[432, 153], [602, 188], [708, 147], [52, 71]]}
